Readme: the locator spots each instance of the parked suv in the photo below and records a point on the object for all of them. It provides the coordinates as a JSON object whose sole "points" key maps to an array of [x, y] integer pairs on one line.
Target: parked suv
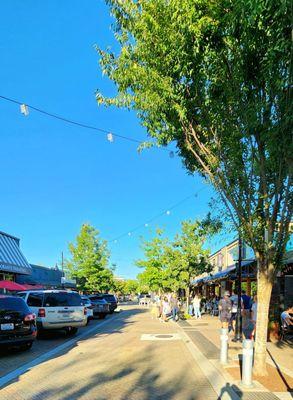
{"points": [[111, 299], [56, 309], [89, 307], [100, 306], [17, 323]]}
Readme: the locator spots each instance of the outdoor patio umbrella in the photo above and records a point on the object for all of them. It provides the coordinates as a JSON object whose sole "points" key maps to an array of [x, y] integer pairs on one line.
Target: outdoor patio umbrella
{"points": [[9, 285]]}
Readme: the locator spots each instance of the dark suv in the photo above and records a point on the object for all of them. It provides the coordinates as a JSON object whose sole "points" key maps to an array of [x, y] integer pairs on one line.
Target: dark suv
{"points": [[111, 299], [17, 323], [100, 306]]}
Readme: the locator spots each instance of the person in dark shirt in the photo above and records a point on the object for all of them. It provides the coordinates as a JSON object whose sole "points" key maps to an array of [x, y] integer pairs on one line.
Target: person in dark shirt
{"points": [[246, 309], [225, 307]]}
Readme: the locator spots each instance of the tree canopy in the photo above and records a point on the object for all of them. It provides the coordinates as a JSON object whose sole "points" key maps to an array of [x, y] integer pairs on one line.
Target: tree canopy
{"points": [[169, 264], [215, 77], [89, 261]]}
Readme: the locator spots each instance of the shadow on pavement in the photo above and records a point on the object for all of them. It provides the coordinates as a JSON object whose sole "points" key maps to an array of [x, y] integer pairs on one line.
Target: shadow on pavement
{"points": [[133, 374], [13, 358]]}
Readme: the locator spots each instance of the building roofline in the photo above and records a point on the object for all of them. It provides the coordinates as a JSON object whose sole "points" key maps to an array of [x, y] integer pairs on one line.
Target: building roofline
{"points": [[226, 245], [8, 234], [43, 267]]}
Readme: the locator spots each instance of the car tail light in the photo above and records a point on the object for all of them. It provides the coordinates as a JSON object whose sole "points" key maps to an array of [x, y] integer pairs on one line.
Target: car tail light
{"points": [[42, 312], [30, 317]]}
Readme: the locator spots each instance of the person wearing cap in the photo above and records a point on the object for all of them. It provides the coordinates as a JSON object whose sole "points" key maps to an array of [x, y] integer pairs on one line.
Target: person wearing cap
{"points": [[225, 308]]}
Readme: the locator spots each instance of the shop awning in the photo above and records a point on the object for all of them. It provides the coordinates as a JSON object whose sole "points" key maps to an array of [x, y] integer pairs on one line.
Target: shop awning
{"points": [[11, 257], [10, 285], [231, 270]]}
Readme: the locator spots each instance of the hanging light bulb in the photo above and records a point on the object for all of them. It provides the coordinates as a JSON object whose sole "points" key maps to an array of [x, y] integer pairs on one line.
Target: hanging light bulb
{"points": [[168, 212], [110, 137], [129, 233], [146, 225], [24, 109], [115, 241]]}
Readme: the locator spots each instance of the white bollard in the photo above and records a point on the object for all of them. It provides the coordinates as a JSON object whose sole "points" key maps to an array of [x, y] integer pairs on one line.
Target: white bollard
{"points": [[224, 346], [247, 359]]}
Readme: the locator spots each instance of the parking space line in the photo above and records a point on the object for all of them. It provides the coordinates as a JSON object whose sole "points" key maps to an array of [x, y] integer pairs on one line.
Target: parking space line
{"points": [[44, 357]]}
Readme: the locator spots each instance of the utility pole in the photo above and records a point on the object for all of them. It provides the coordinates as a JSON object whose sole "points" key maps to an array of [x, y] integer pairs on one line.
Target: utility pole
{"points": [[62, 266], [238, 327]]}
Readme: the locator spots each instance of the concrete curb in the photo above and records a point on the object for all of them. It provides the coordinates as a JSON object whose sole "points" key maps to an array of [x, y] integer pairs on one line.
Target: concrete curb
{"points": [[217, 381]]}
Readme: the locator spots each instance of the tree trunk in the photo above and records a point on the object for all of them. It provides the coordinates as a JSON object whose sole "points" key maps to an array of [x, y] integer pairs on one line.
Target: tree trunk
{"points": [[264, 289]]}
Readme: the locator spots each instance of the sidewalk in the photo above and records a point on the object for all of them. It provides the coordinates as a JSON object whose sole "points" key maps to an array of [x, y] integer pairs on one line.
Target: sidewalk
{"points": [[205, 334]]}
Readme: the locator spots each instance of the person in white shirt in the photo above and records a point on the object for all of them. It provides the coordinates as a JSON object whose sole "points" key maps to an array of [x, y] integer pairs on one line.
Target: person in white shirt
{"points": [[196, 307]]}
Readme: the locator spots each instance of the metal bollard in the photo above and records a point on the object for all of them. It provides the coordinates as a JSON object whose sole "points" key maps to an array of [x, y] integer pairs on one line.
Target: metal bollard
{"points": [[247, 359], [224, 346]]}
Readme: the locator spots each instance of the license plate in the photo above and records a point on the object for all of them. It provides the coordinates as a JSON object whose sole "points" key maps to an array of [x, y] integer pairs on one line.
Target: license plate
{"points": [[7, 327], [67, 316]]}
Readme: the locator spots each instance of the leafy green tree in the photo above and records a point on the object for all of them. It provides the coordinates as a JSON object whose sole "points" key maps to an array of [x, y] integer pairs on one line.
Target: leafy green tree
{"points": [[89, 261], [186, 256], [216, 78], [153, 277], [131, 286]]}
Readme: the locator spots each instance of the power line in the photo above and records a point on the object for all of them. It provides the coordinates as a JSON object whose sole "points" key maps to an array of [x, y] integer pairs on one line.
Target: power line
{"points": [[165, 212], [72, 122]]}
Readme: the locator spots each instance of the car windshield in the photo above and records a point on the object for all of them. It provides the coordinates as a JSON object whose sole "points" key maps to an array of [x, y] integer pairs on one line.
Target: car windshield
{"points": [[62, 299], [13, 304], [109, 297]]}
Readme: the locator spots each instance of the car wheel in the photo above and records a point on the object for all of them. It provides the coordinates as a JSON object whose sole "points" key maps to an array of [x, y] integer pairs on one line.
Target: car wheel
{"points": [[112, 311], [71, 331], [102, 316]]}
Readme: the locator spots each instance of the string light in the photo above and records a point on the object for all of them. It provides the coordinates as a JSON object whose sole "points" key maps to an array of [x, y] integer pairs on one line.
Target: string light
{"points": [[165, 212], [110, 137], [24, 109]]}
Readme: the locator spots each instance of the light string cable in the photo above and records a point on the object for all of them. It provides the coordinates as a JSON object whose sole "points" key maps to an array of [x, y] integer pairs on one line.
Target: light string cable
{"points": [[80, 124], [155, 217]]}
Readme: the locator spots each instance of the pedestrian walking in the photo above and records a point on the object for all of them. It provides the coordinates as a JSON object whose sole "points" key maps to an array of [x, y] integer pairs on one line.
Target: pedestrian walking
{"points": [[196, 307], [174, 307], [166, 310], [234, 300], [225, 308], [254, 316], [246, 309]]}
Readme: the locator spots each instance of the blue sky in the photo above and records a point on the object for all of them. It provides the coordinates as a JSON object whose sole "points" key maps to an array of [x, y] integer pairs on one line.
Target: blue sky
{"points": [[56, 176]]}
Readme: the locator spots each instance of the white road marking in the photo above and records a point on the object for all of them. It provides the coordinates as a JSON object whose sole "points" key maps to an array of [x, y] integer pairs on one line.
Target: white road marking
{"points": [[44, 357]]}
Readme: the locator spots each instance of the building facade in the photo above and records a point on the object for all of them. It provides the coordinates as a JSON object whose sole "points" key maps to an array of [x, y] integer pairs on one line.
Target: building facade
{"points": [[12, 261]]}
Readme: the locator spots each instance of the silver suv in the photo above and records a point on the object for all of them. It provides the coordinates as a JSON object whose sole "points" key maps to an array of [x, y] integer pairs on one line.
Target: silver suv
{"points": [[56, 309]]}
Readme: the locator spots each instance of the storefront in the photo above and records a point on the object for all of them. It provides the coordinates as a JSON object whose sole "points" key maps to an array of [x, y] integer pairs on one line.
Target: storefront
{"points": [[12, 261]]}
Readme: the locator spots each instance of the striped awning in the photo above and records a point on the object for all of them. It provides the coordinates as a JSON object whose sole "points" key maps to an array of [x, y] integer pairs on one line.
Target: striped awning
{"points": [[11, 257]]}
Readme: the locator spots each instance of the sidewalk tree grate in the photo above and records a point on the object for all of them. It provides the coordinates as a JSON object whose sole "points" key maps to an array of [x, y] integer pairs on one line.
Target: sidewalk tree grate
{"points": [[159, 336], [207, 348], [164, 336]]}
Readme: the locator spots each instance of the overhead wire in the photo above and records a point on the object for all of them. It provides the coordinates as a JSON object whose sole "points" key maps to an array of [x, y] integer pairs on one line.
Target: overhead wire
{"points": [[155, 217], [72, 122]]}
